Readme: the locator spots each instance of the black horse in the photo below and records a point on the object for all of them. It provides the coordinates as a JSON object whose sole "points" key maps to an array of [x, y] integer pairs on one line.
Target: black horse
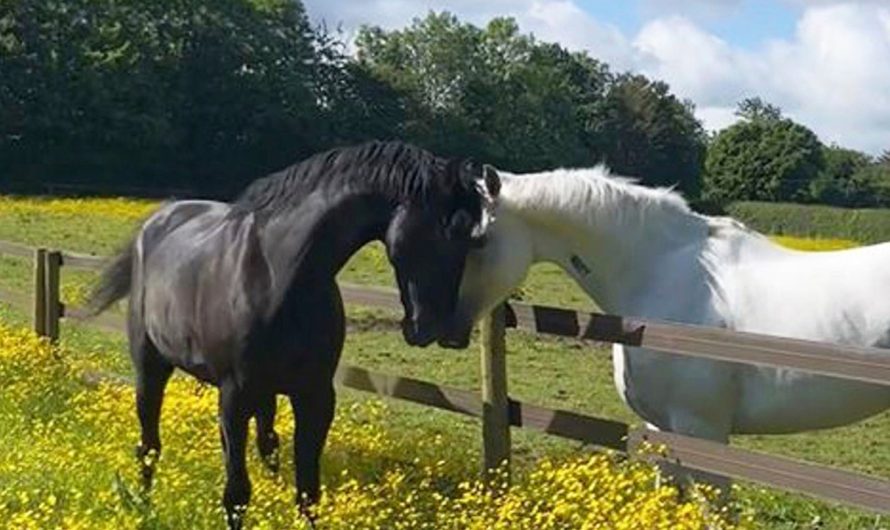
{"points": [[243, 295]]}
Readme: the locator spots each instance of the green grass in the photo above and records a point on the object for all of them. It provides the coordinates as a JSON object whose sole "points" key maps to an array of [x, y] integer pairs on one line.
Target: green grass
{"points": [[555, 373], [867, 225]]}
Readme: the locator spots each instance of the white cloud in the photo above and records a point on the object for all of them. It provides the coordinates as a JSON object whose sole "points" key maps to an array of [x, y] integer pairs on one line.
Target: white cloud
{"points": [[563, 21], [831, 74], [834, 74], [698, 65], [716, 118]]}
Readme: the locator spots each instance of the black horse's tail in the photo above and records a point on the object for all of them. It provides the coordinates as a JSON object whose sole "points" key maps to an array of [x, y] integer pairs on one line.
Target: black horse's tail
{"points": [[114, 283]]}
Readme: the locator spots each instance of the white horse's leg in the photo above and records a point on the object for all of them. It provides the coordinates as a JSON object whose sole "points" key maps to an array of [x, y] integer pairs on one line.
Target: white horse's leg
{"points": [[684, 477]]}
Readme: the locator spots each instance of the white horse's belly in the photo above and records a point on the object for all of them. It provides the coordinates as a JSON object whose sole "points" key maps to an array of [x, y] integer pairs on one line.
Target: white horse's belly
{"points": [[784, 401], [687, 395]]}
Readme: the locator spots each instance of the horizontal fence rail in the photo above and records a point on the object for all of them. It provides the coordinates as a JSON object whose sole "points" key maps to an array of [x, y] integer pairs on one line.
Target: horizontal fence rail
{"points": [[862, 364], [871, 365], [824, 482]]}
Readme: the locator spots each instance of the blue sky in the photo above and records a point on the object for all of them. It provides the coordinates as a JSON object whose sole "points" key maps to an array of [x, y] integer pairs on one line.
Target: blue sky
{"points": [[822, 61], [746, 23]]}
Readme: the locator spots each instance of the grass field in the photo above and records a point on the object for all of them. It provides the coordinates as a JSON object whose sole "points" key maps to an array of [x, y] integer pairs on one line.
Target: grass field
{"points": [[557, 373]]}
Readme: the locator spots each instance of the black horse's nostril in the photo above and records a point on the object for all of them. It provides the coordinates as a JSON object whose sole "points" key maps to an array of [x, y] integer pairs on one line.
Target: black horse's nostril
{"points": [[453, 343], [419, 333], [456, 334]]}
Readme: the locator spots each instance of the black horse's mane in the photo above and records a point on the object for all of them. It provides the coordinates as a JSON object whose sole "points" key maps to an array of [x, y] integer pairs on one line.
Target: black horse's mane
{"points": [[395, 169]]}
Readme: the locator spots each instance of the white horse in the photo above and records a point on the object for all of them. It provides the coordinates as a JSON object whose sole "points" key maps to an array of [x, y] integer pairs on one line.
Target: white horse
{"points": [[642, 252]]}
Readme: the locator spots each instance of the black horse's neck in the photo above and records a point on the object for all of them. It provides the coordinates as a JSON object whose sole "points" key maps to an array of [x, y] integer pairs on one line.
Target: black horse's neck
{"points": [[315, 243], [313, 216], [393, 170]]}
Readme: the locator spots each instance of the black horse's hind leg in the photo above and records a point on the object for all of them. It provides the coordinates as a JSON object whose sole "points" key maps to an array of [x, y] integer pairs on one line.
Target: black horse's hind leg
{"points": [[234, 414], [152, 374], [266, 437], [314, 413]]}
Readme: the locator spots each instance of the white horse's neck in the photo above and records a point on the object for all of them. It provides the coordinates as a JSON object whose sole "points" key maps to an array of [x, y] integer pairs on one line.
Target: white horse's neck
{"points": [[610, 235]]}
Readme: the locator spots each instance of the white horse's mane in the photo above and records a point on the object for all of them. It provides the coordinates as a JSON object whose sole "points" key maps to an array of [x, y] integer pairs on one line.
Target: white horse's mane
{"points": [[593, 195], [596, 200]]}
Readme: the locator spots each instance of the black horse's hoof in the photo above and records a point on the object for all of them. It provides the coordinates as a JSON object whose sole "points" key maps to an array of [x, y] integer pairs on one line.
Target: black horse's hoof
{"points": [[307, 510], [309, 517], [148, 459], [147, 478], [268, 447], [272, 461], [235, 517]]}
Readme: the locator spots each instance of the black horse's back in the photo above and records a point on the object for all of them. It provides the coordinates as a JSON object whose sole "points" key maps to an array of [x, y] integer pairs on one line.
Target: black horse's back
{"points": [[116, 279]]}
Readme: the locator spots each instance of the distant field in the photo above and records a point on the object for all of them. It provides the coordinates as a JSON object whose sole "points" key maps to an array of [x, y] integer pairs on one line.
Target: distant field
{"points": [[556, 373], [867, 226]]}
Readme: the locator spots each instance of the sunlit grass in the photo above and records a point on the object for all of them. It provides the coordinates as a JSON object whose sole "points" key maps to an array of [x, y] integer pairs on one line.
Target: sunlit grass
{"points": [[68, 463], [557, 373], [812, 244]]}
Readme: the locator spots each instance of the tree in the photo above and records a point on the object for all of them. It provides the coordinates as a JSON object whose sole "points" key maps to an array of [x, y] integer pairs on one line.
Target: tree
{"points": [[753, 109], [765, 157], [648, 133], [490, 92], [510, 100], [354, 104], [875, 180], [840, 182], [174, 93]]}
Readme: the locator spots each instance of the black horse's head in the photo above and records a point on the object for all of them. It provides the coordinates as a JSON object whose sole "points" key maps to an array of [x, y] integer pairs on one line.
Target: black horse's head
{"points": [[427, 243]]}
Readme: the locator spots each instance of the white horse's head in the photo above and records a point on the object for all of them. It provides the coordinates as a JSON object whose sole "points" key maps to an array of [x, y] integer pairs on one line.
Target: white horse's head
{"points": [[492, 271]]}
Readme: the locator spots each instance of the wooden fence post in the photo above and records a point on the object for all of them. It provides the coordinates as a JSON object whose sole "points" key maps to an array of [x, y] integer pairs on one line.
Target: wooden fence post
{"points": [[40, 291], [495, 400], [53, 306]]}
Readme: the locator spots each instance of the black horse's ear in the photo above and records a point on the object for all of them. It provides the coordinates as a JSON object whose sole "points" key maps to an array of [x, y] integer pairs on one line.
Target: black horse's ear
{"points": [[492, 180]]}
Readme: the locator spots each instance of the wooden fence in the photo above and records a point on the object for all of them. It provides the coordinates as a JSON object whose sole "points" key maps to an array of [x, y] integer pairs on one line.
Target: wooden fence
{"points": [[498, 411]]}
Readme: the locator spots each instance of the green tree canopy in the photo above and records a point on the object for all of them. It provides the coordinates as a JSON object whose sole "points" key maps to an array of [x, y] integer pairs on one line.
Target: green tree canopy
{"points": [[753, 109], [765, 157], [524, 105], [489, 92], [648, 133], [840, 181], [167, 92]]}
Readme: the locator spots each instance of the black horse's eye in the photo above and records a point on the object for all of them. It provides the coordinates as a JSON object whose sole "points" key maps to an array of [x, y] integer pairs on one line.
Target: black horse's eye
{"points": [[460, 225]]}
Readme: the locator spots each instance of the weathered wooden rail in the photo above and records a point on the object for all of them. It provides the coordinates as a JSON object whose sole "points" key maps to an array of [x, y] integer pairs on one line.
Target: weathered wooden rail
{"points": [[498, 411]]}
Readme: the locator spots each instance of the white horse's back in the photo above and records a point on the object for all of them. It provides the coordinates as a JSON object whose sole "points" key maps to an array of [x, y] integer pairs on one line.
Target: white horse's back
{"points": [[840, 296]]}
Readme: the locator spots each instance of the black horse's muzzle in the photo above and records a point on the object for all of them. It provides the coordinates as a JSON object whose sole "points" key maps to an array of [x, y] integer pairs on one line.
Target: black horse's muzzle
{"points": [[419, 333], [456, 335]]}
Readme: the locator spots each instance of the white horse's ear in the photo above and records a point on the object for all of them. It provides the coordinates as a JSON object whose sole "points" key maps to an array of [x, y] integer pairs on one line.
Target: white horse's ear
{"points": [[492, 181]]}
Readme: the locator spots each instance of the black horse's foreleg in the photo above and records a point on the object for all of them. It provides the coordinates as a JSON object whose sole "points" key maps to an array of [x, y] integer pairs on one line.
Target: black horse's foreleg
{"points": [[234, 415], [314, 413], [152, 374], [266, 437]]}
